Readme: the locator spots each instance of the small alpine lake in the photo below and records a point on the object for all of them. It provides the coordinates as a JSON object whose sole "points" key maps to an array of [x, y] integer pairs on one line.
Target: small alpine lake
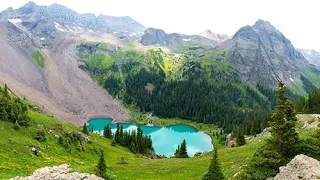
{"points": [[165, 140]]}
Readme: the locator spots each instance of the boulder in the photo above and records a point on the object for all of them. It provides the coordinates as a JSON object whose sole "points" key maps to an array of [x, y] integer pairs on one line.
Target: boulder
{"points": [[301, 167], [230, 140], [58, 173]]}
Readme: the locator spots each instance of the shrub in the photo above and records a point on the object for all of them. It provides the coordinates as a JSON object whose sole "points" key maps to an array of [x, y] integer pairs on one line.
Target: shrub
{"points": [[310, 121], [40, 135]]}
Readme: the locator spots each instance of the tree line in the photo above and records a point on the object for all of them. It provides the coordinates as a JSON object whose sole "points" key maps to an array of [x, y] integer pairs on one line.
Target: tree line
{"points": [[134, 140], [12, 108], [309, 105]]}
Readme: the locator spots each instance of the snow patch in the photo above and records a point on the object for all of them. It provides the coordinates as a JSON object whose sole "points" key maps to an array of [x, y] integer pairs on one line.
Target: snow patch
{"points": [[186, 39], [290, 78], [57, 26], [43, 38], [14, 20]]}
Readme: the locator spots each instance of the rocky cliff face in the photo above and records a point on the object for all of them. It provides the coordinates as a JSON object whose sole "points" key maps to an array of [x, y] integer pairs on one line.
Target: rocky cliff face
{"points": [[158, 37], [61, 172], [300, 168], [261, 54], [312, 56]]}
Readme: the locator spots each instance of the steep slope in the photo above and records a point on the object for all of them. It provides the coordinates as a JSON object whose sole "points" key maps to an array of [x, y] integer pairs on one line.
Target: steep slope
{"points": [[261, 54], [173, 41], [57, 83], [312, 56]]}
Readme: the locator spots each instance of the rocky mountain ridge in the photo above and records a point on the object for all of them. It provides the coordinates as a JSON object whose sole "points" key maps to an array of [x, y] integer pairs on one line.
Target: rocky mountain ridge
{"points": [[261, 54], [312, 56], [157, 37], [45, 22], [215, 36]]}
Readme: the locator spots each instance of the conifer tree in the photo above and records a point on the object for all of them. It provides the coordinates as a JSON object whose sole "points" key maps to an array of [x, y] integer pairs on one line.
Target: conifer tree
{"points": [[85, 129], [107, 132], [3, 113], [240, 140], [117, 134], [101, 168], [214, 171], [281, 147], [181, 151]]}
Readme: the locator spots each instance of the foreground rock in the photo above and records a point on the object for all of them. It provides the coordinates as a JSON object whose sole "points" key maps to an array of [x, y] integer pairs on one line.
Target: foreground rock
{"points": [[58, 173], [301, 167]]}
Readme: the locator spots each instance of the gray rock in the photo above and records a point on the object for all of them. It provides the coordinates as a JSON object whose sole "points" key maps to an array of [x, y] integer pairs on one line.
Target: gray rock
{"points": [[312, 56], [158, 37], [301, 167], [261, 54], [58, 173]]}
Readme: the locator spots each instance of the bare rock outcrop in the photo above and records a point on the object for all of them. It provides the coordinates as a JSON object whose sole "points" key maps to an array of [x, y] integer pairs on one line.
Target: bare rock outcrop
{"points": [[301, 167], [230, 140], [58, 172]]}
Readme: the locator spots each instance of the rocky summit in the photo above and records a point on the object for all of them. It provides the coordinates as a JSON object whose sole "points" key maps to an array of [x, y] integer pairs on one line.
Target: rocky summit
{"points": [[261, 54]]}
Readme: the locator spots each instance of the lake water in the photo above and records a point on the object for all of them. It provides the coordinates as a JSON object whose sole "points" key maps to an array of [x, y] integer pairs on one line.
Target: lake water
{"points": [[165, 140]]}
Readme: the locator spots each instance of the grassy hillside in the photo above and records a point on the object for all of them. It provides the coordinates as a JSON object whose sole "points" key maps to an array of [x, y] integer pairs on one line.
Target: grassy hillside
{"points": [[38, 58], [17, 159]]}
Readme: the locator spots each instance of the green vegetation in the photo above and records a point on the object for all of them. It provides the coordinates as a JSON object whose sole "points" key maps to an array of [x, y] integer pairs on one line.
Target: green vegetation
{"points": [[107, 132], [181, 151], [214, 171], [17, 159], [201, 87], [47, 142], [13, 109], [283, 144], [38, 58], [311, 105], [101, 168], [134, 140], [85, 129]]}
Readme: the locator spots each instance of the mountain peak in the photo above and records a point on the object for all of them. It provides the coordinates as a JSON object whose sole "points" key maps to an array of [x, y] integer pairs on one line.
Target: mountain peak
{"points": [[214, 36]]}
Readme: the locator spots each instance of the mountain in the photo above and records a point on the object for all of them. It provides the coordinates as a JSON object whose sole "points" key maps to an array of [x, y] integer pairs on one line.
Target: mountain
{"points": [[261, 54], [158, 37], [312, 56], [38, 60], [46, 21], [214, 36]]}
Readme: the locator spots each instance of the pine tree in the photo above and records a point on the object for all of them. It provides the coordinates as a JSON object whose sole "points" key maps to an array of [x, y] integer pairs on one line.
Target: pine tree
{"points": [[6, 92], [85, 129], [107, 132], [117, 134], [281, 147], [214, 171], [3, 113], [240, 140], [181, 151], [101, 168]]}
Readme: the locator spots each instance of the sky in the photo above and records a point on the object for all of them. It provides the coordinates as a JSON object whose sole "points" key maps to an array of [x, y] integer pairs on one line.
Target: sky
{"points": [[298, 20]]}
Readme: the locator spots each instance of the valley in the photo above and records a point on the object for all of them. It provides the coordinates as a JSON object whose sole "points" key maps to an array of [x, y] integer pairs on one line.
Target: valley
{"points": [[78, 88]]}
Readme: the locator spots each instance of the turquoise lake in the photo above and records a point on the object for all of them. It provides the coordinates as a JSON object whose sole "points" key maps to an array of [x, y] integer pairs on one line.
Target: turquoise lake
{"points": [[165, 140]]}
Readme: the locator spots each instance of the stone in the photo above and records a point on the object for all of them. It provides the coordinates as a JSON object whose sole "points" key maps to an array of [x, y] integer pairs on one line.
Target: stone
{"points": [[58, 173], [301, 167]]}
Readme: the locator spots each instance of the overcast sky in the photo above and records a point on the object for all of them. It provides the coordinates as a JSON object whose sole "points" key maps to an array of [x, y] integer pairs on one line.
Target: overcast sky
{"points": [[298, 20]]}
